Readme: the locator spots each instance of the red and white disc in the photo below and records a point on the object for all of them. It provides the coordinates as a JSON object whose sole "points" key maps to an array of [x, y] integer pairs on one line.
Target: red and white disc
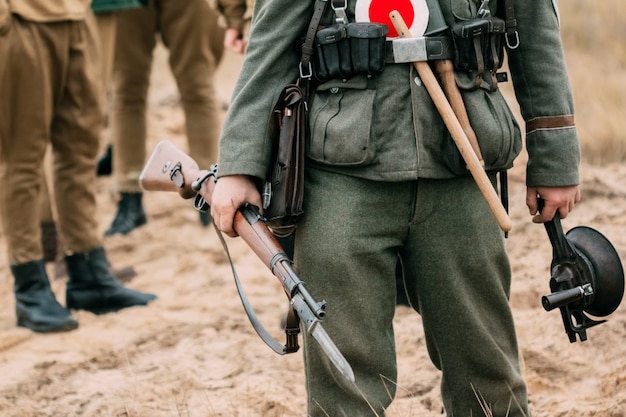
{"points": [[414, 13]]}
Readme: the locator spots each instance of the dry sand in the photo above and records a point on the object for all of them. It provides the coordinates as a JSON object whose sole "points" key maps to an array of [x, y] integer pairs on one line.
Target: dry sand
{"points": [[194, 353]]}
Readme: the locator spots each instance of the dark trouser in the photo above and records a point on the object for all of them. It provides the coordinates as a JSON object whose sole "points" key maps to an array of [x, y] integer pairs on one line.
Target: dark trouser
{"points": [[457, 276], [49, 93]]}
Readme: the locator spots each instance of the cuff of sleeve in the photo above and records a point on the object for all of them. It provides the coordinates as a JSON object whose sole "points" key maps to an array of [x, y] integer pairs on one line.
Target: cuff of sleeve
{"points": [[553, 157], [250, 168], [549, 122]]}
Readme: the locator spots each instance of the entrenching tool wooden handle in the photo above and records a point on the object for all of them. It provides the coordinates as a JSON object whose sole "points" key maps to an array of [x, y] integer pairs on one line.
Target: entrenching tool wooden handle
{"points": [[456, 131], [445, 70]]}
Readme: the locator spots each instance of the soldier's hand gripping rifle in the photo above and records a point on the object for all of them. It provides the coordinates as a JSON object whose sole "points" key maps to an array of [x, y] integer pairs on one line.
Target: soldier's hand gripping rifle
{"points": [[170, 169]]}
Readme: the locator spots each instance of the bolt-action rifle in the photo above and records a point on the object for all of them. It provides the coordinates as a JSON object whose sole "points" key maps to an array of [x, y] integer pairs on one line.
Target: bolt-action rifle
{"points": [[170, 169]]}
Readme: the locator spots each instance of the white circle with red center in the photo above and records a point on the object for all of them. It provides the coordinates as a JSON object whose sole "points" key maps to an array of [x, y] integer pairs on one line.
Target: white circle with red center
{"points": [[413, 12]]}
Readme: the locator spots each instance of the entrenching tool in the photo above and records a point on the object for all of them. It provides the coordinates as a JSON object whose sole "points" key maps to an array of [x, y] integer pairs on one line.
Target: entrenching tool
{"points": [[456, 130], [445, 70], [586, 277]]}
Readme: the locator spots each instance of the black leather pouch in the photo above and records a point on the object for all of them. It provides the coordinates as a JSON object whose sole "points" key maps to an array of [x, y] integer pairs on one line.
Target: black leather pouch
{"points": [[367, 47], [333, 53], [283, 190], [344, 51], [479, 46], [470, 38]]}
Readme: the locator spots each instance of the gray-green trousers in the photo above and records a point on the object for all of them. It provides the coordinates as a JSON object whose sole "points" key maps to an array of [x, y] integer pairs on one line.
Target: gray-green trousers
{"points": [[189, 30], [49, 93], [458, 278]]}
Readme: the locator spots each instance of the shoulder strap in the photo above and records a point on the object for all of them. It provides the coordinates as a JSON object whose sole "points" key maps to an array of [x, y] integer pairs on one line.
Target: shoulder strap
{"points": [[308, 48], [511, 35]]}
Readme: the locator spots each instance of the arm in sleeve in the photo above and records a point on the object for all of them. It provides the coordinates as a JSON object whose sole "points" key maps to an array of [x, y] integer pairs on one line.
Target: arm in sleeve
{"points": [[543, 91], [270, 63]]}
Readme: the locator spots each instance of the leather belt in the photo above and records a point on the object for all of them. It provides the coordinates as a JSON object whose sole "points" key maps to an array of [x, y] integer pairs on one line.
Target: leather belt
{"points": [[426, 48]]}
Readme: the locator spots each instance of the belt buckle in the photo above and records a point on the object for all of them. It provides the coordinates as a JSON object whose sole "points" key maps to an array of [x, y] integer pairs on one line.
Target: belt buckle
{"points": [[409, 50]]}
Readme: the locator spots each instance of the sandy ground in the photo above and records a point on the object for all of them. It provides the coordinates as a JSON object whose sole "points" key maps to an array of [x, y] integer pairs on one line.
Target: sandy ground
{"points": [[194, 353]]}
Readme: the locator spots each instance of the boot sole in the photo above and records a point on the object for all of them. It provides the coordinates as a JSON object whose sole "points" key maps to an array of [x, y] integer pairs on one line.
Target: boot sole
{"points": [[40, 328], [105, 306], [124, 231], [106, 310]]}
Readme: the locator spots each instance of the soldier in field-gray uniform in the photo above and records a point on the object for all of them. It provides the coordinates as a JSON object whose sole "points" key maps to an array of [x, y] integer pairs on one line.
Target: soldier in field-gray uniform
{"points": [[383, 179]]}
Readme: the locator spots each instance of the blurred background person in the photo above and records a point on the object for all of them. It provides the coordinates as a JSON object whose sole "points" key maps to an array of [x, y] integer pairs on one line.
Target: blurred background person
{"points": [[236, 38], [106, 12], [195, 40], [50, 93]]}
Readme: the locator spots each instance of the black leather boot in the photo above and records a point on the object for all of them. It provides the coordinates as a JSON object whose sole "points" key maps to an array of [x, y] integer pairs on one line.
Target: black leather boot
{"points": [[129, 214], [105, 163], [91, 286], [36, 306]]}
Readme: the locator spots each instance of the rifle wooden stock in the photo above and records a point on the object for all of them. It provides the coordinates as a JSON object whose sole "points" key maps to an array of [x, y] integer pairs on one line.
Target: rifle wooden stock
{"points": [[255, 233], [160, 174], [157, 173]]}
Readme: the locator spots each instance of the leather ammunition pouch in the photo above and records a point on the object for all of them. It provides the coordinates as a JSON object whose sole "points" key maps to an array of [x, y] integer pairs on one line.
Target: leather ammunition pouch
{"points": [[346, 50], [479, 47]]}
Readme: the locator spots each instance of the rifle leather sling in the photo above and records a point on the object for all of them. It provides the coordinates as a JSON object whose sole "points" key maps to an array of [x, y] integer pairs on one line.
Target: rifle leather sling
{"points": [[292, 327]]}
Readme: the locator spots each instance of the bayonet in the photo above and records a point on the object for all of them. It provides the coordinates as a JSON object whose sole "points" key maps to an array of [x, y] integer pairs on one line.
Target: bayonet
{"points": [[331, 351]]}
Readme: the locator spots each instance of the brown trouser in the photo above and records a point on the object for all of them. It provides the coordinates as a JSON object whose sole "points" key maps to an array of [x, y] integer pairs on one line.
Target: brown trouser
{"points": [[49, 93], [106, 32], [186, 29]]}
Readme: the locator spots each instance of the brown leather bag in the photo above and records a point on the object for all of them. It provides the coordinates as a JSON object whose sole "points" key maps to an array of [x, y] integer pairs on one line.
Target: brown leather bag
{"points": [[284, 187], [283, 190]]}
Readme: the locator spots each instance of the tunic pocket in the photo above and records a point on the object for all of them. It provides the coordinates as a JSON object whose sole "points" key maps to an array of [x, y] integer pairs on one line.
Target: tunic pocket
{"points": [[340, 120]]}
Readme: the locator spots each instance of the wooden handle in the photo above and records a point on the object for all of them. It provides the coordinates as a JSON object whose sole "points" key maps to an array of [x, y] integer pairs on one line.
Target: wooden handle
{"points": [[445, 70], [456, 131]]}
